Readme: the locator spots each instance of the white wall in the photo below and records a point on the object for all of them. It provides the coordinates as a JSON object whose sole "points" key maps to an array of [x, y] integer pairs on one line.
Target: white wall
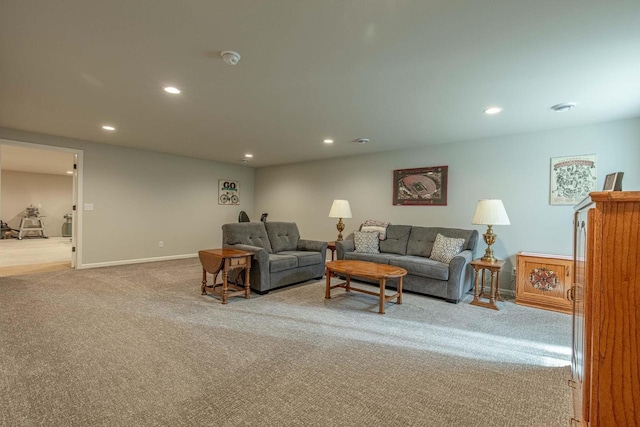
{"points": [[141, 198], [513, 168], [52, 192]]}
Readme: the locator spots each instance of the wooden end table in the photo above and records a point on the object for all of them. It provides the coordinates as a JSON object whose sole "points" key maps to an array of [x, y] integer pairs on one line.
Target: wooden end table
{"points": [[366, 270], [332, 247], [494, 269], [215, 261]]}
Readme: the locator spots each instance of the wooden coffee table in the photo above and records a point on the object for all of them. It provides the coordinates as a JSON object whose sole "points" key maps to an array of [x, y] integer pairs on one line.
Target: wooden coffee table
{"points": [[366, 270], [215, 261]]}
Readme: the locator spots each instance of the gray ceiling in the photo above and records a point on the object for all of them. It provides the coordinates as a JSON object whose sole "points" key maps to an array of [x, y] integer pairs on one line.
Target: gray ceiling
{"points": [[402, 73]]}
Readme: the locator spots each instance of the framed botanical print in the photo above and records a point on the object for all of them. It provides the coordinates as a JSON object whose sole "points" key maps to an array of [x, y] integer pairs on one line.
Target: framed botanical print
{"points": [[572, 179]]}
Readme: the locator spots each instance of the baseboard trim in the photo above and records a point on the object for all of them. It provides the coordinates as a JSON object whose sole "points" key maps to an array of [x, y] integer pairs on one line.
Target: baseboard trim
{"points": [[135, 261], [508, 292]]}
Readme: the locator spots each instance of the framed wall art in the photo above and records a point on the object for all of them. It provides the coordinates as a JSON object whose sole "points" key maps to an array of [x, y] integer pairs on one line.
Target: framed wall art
{"points": [[572, 179], [228, 192], [421, 186], [613, 182]]}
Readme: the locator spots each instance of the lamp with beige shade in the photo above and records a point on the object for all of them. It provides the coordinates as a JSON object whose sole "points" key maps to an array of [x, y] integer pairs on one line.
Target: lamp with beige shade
{"points": [[340, 209], [490, 212]]}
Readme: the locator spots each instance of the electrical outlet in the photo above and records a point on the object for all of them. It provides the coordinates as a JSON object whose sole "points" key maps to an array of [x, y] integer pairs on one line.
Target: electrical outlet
{"points": [[161, 244]]}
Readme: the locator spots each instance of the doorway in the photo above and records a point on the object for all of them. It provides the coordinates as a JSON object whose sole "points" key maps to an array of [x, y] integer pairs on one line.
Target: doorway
{"points": [[38, 207]]}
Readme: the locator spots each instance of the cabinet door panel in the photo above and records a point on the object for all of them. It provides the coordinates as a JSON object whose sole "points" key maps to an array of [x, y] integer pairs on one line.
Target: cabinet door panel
{"points": [[544, 282]]}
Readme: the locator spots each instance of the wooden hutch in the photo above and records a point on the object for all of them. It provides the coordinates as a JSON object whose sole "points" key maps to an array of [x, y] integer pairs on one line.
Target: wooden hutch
{"points": [[605, 367]]}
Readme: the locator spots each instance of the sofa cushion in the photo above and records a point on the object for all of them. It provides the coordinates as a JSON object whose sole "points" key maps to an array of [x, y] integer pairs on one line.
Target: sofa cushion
{"points": [[396, 241], [423, 267], [283, 236], [279, 262], [305, 257], [373, 225], [247, 233], [366, 241], [378, 258], [445, 248], [422, 238]]}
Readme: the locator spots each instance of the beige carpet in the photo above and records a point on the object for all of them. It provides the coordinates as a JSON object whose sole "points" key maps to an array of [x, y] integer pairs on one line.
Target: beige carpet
{"points": [[139, 346]]}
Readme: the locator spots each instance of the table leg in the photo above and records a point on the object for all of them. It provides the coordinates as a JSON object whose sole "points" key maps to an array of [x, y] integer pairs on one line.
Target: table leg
{"points": [[204, 282], [476, 291], [498, 296], [327, 292], [382, 287], [482, 285], [492, 299], [399, 301], [225, 289], [247, 289], [348, 283]]}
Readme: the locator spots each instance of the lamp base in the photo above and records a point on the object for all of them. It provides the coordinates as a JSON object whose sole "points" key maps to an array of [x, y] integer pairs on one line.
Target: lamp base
{"points": [[489, 258], [340, 227], [489, 239]]}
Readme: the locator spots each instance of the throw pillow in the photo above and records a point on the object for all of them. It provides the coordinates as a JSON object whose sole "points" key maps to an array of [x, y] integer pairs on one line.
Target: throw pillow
{"points": [[373, 225], [366, 242], [445, 248]]}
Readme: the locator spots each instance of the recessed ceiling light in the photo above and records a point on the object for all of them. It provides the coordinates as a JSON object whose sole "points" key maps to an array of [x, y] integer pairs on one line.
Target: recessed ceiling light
{"points": [[248, 156], [107, 127], [171, 89], [328, 141], [561, 108], [492, 110], [70, 172]]}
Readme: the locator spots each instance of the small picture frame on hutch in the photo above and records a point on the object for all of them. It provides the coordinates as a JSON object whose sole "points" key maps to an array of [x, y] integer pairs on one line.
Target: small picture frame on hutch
{"points": [[613, 182]]}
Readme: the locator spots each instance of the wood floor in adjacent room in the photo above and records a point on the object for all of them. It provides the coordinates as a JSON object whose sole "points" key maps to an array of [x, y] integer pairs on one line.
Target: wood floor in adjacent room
{"points": [[34, 255]]}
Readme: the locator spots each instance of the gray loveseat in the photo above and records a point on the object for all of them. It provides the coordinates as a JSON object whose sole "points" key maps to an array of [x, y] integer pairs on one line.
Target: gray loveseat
{"points": [[409, 247], [281, 257]]}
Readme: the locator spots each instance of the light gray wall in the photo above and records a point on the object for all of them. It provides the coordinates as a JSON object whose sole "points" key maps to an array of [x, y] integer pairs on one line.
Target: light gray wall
{"points": [[141, 198], [52, 192], [514, 169]]}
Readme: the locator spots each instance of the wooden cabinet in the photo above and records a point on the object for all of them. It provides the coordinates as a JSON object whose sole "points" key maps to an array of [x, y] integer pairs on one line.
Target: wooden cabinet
{"points": [[606, 311], [543, 281]]}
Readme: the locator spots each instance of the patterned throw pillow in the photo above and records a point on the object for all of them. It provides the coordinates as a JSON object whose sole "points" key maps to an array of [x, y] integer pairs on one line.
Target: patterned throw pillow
{"points": [[445, 248], [379, 226], [366, 242]]}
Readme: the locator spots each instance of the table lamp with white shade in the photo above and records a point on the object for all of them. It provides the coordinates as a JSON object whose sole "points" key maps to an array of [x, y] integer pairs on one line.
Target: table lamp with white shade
{"points": [[490, 212], [340, 209]]}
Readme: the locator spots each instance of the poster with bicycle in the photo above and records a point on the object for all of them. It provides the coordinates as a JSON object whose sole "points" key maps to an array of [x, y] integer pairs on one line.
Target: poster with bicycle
{"points": [[228, 192], [572, 179]]}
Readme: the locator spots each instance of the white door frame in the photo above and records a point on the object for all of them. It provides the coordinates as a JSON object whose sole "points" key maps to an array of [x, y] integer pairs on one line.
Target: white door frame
{"points": [[76, 234]]}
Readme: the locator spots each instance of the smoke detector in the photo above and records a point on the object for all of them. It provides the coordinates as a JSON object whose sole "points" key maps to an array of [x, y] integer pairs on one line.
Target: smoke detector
{"points": [[561, 108], [362, 140], [230, 57]]}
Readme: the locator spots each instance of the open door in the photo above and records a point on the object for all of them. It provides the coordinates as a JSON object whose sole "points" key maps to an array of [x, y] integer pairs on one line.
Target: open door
{"points": [[74, 214]]}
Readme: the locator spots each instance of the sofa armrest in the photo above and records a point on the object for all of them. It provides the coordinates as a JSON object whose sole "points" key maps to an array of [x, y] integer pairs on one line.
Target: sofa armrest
{"points": [[312, 245], [258, 253], [459, 275], [344, 246]]}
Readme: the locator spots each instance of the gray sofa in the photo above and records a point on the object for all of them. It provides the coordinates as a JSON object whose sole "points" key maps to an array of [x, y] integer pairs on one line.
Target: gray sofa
{"points": [[409, 247], [281, 257]]}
